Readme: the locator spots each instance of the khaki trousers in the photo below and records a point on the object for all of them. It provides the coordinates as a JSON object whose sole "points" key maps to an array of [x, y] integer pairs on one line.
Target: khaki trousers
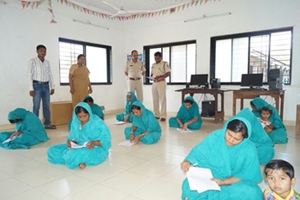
{"points": [[137, 88], [159, 97]]}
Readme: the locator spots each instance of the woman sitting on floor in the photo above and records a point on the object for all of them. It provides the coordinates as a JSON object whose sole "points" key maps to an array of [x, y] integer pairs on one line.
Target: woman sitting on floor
{"points": [[29, 130], [188, 116], [89, 131], [145, 127], [277, 130], [96, 110], [233, 161], [127, 116], [259, 137]]}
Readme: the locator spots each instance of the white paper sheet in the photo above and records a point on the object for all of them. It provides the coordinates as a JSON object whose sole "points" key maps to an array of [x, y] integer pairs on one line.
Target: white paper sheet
{"points": [[76, 146], [151, 78], [127, 143], [184, 131], [8, 140], [119, 123], [200, 179]]}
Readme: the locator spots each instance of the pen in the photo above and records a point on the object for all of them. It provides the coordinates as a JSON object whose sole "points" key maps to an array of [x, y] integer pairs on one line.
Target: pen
{"points": [[194, 165]]}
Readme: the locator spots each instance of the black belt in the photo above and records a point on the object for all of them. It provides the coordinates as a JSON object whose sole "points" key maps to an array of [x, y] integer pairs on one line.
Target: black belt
{"points": [[40, 82]]}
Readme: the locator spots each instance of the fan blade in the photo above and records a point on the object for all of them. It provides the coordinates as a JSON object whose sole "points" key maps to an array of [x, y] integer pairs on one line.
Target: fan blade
{"points": [[138, 11], [112, 6], [114, 15]]}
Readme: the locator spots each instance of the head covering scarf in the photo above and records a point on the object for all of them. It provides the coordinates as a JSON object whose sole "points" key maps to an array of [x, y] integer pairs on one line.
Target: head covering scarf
{"points": [[259, 137], [186, 115], [129, 103], [147, 121], [94, 129], [31, 126], [240, 161], [278, 135], [96, 110]]}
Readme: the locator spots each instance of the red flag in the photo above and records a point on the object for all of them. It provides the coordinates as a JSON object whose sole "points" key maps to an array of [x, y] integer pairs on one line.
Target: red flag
{"points": [[152, 14], [53, 21], [206, 1], [88, 11], [119, 18], [50, 10], [183, 6], [23, 3], [84, 9], [66, 1], [37, 4], [61, 1], [28, 3], [102, 15], [73, 5]]}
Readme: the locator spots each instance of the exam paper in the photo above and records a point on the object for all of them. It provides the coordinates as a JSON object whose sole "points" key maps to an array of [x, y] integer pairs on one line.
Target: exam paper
{"points": [[76, 146], [151, 78], [127, 143], [8, 140], [200, 179], [119, 123], [184, 131]]}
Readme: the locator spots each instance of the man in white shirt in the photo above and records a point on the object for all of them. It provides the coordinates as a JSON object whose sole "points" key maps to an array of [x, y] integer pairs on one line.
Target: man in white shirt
{"points": [[160, 70], [135, 70], [39, 80]]}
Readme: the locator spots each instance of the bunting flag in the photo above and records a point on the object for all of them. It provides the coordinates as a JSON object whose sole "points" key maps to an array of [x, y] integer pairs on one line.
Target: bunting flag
{"points": [[177, 8]]}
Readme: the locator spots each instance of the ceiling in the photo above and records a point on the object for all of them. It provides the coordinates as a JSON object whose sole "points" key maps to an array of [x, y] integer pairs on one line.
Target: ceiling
{"points": [[131, 4]]}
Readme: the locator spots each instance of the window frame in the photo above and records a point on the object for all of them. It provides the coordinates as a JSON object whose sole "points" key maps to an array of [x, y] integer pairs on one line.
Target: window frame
{"points": [[249, 35], [146, 59], [108, 58]]}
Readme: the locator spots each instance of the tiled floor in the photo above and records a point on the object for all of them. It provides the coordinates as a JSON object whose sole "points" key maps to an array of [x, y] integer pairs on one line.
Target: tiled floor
{"points": [[129, 173]]}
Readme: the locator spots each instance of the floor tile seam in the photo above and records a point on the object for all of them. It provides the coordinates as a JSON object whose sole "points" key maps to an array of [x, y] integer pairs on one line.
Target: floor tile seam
{"points": [[78, 191], [31, 187], [50, 181], [142, 187]]}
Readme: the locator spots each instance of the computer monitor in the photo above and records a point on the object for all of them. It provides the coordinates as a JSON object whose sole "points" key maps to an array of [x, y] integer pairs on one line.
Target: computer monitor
{"points": [[252, 80], [199, 79]]}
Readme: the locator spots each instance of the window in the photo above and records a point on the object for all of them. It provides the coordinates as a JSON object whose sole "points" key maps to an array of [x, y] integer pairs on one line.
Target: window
{"points": [[97, 60], [251, 53], [181, 57]]}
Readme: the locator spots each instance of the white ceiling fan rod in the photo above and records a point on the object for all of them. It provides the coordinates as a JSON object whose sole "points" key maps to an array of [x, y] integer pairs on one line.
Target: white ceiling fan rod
{"points": [[89, 23], [207, 17]]}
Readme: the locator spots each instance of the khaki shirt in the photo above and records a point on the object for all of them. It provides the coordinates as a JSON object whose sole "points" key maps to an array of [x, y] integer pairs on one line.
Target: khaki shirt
{"points": [[160, 68], [134, 70]]}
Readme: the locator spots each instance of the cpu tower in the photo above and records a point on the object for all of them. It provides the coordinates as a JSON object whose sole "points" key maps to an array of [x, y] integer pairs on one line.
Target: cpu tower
{"points": [[275, 79], [208, 108]]}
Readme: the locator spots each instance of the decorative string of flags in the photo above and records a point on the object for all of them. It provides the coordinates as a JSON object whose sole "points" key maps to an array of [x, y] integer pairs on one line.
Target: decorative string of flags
{"points": [[181, 7], [35, 4]]}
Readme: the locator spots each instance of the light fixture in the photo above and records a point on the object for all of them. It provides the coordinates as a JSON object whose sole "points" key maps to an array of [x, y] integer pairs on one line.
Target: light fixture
{"points": [[3, 3], [207, 17], [89, 23]]}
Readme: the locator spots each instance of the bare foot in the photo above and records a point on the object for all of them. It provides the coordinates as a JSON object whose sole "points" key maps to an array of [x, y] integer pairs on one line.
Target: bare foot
{"points": [[82, 166], [186, 198]]}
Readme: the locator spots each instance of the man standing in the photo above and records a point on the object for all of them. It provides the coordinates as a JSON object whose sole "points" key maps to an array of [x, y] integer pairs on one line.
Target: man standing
{"points": [[39, 80], [159, 71], [135, 70]]}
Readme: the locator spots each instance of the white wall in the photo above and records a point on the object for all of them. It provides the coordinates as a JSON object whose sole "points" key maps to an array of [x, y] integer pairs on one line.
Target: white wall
{"points": [[23, 29], [247, 16]]}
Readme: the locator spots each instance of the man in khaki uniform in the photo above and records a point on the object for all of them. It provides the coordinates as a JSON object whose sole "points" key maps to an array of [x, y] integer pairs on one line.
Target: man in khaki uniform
{"points": [[135, 70], [160, 71]]}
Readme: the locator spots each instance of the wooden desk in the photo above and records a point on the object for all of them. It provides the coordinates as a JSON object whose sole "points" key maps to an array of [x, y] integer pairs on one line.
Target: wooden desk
{"points": [[251, 94], [218, 114]]}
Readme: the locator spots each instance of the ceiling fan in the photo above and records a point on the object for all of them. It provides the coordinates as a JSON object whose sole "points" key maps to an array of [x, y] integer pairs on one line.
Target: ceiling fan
{"points": [[121, 11]]}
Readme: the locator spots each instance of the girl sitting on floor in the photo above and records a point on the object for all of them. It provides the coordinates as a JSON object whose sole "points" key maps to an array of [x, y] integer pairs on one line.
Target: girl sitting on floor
{"points": [[127, 115]]}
